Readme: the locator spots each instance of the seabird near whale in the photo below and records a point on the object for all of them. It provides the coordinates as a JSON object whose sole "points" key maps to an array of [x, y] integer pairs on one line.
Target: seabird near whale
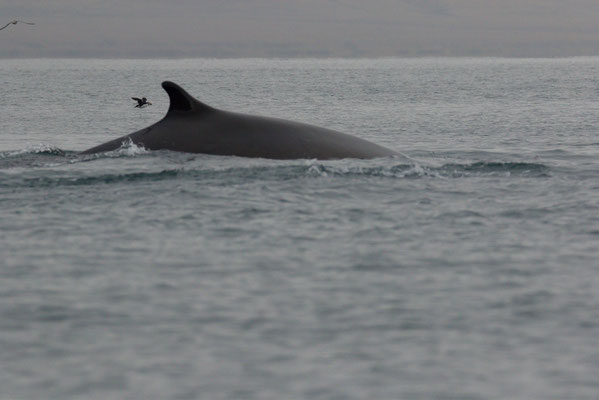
{"points": [[194, 127], [141, 102], [15, 22]]}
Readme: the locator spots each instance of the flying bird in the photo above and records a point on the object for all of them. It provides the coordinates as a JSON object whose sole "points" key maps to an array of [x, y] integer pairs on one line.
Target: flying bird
{"points": [[15, 22], [141, 102]]}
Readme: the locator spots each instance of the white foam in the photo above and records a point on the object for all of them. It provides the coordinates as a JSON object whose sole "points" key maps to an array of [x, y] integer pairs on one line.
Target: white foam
{"points": [[34, 149]]}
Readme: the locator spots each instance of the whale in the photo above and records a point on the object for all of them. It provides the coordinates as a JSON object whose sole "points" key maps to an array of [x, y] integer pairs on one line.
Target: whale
{"points": [[194, 127]]}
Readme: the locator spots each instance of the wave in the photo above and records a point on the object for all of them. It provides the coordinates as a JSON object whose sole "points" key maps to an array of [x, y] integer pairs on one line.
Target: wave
{"points": [[45, 155], [452, 170], [127, 149], [494, 168], [48, 166], [41, 155], [274, 171], [39, 149], [45, 181]]}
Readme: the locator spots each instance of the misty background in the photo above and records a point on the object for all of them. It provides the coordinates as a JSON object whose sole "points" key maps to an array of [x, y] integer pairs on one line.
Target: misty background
{"points": [[299, 28]]}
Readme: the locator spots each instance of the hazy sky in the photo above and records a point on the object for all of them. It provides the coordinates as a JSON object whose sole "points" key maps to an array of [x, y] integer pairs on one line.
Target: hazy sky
{"points": [[296, 28]]}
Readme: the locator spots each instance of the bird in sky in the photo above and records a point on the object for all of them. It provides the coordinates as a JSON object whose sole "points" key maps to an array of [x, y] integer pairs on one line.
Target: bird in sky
{"points": [[141, 102], [15, 22]]}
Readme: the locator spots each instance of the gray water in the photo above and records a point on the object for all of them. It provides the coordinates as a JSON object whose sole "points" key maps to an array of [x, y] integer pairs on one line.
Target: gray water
{"points": [[467, 268]]}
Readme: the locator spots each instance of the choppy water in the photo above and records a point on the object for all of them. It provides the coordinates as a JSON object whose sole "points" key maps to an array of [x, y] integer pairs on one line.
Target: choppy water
{"points": [[468, 269]]}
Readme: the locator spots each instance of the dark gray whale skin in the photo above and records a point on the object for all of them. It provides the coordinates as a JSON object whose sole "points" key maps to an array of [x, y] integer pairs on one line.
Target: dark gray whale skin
{"points": [[193, 127]]}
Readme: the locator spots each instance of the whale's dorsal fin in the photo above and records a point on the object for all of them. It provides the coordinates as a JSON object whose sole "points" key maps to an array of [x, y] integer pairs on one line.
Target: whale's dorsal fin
{"points": [[181, 101]]}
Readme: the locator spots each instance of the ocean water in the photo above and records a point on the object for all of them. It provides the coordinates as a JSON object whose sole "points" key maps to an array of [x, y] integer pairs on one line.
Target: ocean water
{"points": [[467, 268]]}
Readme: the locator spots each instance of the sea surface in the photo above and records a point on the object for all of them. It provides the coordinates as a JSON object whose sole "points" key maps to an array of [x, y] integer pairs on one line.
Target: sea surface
{"points": [[466, 268]]}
